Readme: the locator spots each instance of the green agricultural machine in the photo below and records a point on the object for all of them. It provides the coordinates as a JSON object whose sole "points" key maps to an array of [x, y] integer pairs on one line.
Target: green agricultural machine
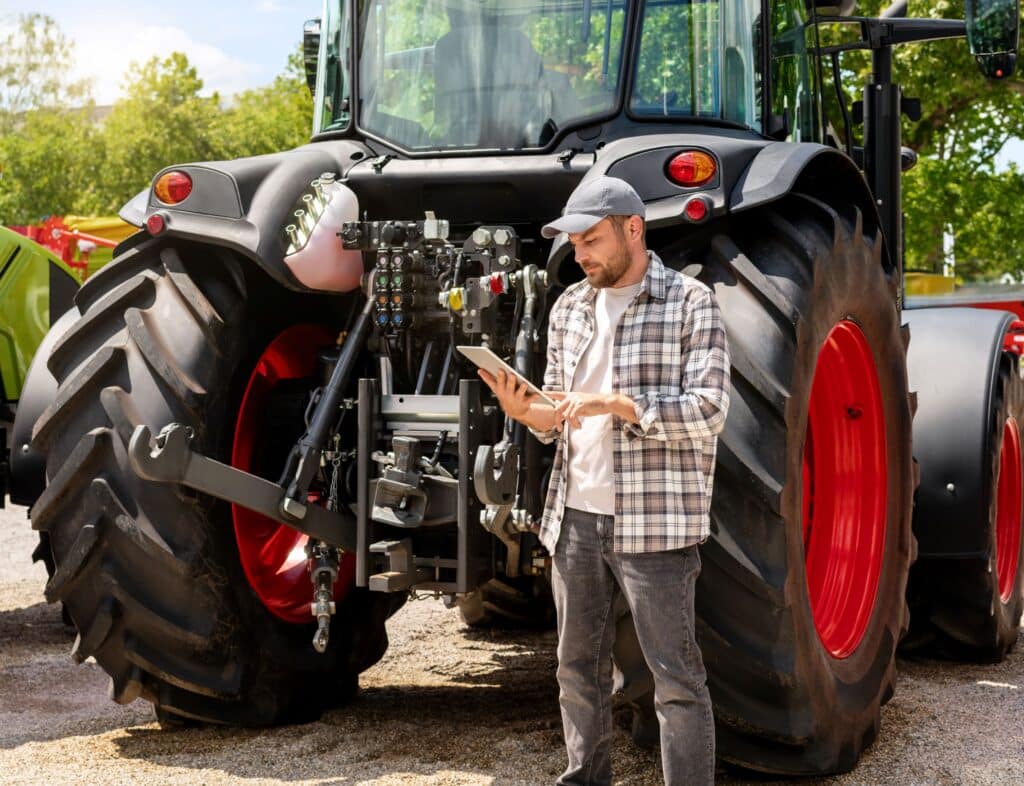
{"points": [[35, 284], [258, 438]]}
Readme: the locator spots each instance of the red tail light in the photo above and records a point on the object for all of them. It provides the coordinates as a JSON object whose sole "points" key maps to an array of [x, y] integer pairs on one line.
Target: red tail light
{"points": [[155, 224], [691, 168], [173, 187]]}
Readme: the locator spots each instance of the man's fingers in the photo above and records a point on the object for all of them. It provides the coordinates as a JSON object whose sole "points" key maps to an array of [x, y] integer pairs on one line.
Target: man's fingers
{"points": [[490, 381]]}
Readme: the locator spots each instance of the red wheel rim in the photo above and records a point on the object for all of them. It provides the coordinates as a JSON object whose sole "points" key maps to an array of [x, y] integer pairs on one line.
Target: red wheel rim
{"points": [[1008, 510], [845, 489], [273, 554]]}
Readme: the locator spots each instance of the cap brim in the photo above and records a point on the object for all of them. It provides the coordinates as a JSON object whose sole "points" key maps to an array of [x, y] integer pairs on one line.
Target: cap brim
{"points": [[575, 222]]}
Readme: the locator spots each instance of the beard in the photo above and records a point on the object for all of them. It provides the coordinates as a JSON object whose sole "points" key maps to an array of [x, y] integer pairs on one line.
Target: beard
{"points": [[608, 274]]}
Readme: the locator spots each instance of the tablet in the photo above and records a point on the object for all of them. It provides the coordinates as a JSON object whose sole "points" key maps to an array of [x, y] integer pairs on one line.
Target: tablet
{"points": [[491, 363]]}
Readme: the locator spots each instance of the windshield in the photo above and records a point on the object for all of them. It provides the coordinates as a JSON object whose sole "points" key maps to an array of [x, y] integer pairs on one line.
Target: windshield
{"points": [[469, 74]]}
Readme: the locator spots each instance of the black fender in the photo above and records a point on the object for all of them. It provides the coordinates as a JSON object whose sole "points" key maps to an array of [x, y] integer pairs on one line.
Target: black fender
{"points": [[642, 160], [245, 204], [28, 465], [953, 366], [754, 172], [809, 168]]}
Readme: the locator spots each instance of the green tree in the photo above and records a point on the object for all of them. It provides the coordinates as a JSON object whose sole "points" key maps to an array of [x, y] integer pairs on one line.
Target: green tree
{"points": [[48, 165], [46, 132], [268, 119], [162, 120], [966, 119], [35, 59]]}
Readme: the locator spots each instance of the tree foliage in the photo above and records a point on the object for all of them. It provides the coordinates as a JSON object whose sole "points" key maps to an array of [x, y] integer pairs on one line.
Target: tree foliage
{"points": [[56, 156], [267, 119], [966, 119], [35, 59]]}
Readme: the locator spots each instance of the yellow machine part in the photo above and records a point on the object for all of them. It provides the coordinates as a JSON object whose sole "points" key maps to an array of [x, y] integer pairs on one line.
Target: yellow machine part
{"points": [[928, 284]]}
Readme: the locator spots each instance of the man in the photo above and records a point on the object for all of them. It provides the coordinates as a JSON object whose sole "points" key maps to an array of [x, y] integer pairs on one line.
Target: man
{"points": [[638, 363]]}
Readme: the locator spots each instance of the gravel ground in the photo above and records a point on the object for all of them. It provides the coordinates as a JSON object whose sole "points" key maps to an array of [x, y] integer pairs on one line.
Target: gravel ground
{"points": [[447, 705]]}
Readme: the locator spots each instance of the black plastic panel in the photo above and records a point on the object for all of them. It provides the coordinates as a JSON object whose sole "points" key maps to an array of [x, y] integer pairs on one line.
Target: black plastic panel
{"points": [[952, 364]]}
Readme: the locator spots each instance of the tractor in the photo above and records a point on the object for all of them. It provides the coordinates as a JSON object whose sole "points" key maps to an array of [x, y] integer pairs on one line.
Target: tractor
{"points": [[254, 439]]}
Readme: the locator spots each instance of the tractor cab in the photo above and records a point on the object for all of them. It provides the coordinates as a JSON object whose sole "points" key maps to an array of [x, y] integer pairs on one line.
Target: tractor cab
{"points": [[449, 76]]}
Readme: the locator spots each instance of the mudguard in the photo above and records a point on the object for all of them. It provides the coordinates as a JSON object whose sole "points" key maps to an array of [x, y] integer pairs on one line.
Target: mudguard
{"points": [[245, 204], [28, 465], [642, 160], [818, 170], [953, 366], [753, 172]]}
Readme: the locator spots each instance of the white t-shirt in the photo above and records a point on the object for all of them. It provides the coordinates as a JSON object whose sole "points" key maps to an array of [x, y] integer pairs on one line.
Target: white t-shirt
{"points": [[591, 482]]}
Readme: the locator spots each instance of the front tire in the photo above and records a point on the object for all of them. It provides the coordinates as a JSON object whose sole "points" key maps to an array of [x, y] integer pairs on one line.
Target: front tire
{"points": [[151, 572]]}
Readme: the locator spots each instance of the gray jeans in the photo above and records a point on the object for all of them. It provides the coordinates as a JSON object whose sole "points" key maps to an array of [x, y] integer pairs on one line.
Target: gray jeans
{"points": [[658, 587]]}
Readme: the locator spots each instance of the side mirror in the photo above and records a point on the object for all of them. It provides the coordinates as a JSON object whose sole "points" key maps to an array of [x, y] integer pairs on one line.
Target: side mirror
{"points": [[310, 50], [993, 29]]}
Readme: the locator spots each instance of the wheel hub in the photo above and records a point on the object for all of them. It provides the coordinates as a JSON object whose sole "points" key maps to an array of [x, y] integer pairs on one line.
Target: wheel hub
{"points": [[273, 555], [1008, 511], [845, 489]]}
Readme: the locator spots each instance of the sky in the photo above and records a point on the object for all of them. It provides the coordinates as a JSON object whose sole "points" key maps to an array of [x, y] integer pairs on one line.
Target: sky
{"points": [[233, 45]]}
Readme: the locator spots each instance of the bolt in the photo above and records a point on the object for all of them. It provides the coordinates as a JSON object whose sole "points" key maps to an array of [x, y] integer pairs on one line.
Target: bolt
{"points": [[504, 260], [502, 237], [951, 488], [25, 449], [482, 237]]}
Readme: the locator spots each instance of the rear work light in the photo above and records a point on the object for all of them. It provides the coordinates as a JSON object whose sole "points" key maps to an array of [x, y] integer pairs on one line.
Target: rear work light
{"points": [[691, 168], [173, 187]]}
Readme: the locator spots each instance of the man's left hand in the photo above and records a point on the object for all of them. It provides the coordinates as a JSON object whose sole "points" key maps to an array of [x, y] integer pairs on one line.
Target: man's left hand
{"points": [[573, 406]]}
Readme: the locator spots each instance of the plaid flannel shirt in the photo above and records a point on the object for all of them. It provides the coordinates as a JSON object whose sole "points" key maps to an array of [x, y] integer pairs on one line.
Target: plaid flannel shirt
{"points": [[671, 358]]}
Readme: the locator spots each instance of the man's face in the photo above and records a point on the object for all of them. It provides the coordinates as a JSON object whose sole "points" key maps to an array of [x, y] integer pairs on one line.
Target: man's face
{"points": [[602, 252]]}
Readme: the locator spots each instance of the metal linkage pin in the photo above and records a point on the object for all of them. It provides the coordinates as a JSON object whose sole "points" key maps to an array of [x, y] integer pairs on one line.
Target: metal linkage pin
{"points": [[323, 565]]}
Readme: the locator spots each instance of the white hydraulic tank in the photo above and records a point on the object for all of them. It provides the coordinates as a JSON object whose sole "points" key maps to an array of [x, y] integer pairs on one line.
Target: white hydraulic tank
{"points": [[315, 254]]}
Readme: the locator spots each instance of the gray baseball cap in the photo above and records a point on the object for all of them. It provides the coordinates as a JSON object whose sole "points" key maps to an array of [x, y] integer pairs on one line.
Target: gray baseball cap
{"points": [[593, 200]]}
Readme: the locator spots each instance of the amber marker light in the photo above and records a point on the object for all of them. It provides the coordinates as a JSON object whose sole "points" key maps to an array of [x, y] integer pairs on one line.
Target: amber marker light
{"points": [[691, 168], [173, 187]]}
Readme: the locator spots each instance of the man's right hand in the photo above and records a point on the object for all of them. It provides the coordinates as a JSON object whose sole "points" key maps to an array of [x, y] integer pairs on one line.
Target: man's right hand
{"points": [[519, 403]]}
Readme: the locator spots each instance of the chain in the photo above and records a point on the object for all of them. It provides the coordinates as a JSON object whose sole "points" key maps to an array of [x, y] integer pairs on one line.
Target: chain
{"points": [[334, 456]]}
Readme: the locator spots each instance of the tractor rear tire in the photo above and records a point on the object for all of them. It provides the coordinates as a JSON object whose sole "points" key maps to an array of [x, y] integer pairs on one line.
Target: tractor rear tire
{"points": [[151, 572], [42, 553], [798, 667], [970, 608]]}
